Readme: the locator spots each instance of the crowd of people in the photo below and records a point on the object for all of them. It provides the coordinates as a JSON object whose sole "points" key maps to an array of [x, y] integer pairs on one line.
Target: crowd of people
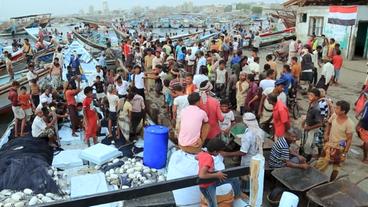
{"points": [[204, 89]]}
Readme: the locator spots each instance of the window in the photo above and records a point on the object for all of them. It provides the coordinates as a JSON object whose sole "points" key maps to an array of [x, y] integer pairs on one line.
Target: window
{"points": [[303, 18], [315, 26]]}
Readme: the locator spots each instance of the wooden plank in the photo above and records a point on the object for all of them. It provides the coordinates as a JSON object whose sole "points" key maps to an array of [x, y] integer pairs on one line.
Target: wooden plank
{"points": [[128, 194]]}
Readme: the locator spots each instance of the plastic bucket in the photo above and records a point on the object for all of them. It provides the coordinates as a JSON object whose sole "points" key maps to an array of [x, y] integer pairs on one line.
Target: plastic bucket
{"points": [[155, 146], [289, 200]]}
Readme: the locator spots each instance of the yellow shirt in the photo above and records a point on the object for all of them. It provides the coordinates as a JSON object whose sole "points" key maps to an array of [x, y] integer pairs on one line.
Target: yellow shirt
{"points": [[338, 131]]}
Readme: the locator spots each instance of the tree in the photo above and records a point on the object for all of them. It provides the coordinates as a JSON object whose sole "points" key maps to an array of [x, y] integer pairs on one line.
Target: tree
{"points": [[228, 8], [257, 10]]}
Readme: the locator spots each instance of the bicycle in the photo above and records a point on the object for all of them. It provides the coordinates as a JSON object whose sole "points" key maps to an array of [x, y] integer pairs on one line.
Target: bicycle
{"points": [[292, 102]]}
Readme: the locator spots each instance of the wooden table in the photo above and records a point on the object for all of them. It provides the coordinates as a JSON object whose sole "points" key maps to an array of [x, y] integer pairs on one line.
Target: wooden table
{"points": [[339, 193], [300, 180]]}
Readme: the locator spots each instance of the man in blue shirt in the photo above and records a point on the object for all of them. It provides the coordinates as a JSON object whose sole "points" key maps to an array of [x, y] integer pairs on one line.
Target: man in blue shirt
{"points": [[75, 63], [237, 58], [286, 75]]}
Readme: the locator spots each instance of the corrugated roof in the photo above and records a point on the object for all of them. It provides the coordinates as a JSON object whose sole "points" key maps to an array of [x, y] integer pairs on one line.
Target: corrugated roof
{"points": [[323, 2]]}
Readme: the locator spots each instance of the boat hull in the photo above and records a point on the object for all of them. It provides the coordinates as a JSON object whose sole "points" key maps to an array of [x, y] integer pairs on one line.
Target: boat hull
{"points": [[88, 42]]}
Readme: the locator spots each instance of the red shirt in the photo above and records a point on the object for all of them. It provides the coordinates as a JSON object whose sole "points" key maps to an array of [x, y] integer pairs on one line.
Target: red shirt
{"points": [[25, 101], [69, 96], [280, 118], [337, 61], [13, 97], [205, 160], [126, 50], [213, 110]]}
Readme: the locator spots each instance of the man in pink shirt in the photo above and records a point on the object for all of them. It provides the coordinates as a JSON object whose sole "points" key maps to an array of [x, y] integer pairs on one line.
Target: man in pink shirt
{"points": [[212, 107], [192, 133]]}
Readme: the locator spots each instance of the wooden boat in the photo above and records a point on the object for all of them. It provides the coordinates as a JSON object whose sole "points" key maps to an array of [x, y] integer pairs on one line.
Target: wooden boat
{"points": [[88, 42], [93, 23], [20, 63], [269, 38], [119, 34], [21, 22], [33, 33]]}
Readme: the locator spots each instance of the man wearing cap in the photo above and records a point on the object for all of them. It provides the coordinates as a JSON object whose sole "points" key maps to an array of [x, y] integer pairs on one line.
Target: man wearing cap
{"points": [[280, 116], [212, 107]]}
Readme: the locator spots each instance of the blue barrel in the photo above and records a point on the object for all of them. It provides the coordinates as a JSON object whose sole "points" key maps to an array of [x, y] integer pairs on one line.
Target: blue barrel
{"points": [[155, 146]]}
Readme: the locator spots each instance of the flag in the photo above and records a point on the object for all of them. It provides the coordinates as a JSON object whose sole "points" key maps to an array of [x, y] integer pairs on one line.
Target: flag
{"points": [[342, 15]]}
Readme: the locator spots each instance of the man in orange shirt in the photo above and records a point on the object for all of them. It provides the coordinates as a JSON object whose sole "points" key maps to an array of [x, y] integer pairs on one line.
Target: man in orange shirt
{"points": [[280, 113], [295, 68], [70, 92]]}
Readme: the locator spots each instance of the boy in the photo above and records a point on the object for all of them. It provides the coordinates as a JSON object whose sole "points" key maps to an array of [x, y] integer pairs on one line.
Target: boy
{"points": [[18, 112], [167, 96], [35, 93], [180, 102], [241, 92], [337, 62], [229, 118], [295, 69], [190, 87], [90, 116], [221, 79], [25, 102], [206, 171]]}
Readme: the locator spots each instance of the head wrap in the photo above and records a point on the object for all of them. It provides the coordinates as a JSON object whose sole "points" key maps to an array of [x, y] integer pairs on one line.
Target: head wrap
{"points": [[203, 91], [250, 120]]}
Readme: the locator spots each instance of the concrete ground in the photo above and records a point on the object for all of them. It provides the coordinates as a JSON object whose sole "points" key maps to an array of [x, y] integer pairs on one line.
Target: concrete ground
{"points": [[352, 77]]}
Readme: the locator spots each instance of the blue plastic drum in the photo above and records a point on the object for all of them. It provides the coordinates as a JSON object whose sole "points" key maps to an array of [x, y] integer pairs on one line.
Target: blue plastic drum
{"points": [[155, 146]]}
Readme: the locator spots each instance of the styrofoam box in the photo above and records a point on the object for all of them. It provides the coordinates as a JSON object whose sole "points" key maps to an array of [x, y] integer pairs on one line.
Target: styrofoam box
{"points": [[89, 184], [99, 153], [67, 159], [66, 136]]}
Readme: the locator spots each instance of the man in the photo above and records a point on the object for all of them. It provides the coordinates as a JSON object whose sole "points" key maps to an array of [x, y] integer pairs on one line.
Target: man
{"points": [[18, 112], [180, 102], [296, 68], [31, 75], [286, 75], [280, 116], [282, 156], [327, 75], [148, 60], [254, 68], [42, 129], [268, 82], [338, 139], [9, 65], [293, 48], [237, 58], [272, 63], [75, 63], [157, 60], [193, 126], [256, 42], [251, 141], [312, 122], [212, 107], [202, 76], [27, 50], [201, 61], [265, 108]]}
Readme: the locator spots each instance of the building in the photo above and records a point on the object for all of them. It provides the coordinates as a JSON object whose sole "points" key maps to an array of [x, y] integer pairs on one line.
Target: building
{"points": [[313, 18], [105, 7]]}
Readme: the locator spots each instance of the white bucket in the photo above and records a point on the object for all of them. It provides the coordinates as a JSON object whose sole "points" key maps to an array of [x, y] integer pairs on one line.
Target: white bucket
{"points": [[181, 165], [289, 200]]}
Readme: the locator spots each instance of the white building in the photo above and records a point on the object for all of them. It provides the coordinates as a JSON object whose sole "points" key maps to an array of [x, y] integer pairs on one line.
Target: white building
{"points": [[312, 18]]}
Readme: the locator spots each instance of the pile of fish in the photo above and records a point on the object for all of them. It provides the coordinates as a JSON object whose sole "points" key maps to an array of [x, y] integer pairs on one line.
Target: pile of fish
{"points": [[11, 198], [130, 172]]}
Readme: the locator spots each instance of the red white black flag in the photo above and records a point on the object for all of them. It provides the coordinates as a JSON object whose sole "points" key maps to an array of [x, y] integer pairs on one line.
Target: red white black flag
{"points": [[342, 15]]}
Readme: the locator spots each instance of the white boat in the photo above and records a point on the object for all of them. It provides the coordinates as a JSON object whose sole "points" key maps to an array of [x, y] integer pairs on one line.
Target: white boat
{"points": [[33, 33]]}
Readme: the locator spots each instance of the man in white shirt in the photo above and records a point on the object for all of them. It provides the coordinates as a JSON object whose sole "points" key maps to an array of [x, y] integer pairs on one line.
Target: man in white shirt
{"points": [[201, 61], [235, 44], [254, 68], [199, 78], [327, 73], [180, 102], [268, 82], [257, 41], [293, 49], [31, 75], [41, 129], [113, 100]]}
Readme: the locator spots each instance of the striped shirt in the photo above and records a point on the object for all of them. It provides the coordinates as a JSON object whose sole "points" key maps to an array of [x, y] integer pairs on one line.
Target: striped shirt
{"points": [[279, 153], [323, 107]]}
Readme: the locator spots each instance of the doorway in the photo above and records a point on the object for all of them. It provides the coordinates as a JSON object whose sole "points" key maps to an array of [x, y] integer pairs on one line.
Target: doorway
{"points": [[361, 46]]}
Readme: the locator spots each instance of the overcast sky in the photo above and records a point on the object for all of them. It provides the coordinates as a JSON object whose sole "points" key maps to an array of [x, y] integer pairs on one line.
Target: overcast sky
{"points": [[10, 8]]}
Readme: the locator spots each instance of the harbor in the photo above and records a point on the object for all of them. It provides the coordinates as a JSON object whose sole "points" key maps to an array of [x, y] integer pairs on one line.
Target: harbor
{"points": [[168, 105]]}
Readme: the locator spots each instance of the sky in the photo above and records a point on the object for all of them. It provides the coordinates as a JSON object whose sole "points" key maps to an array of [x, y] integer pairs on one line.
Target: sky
{"points": [[10, 8]]}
